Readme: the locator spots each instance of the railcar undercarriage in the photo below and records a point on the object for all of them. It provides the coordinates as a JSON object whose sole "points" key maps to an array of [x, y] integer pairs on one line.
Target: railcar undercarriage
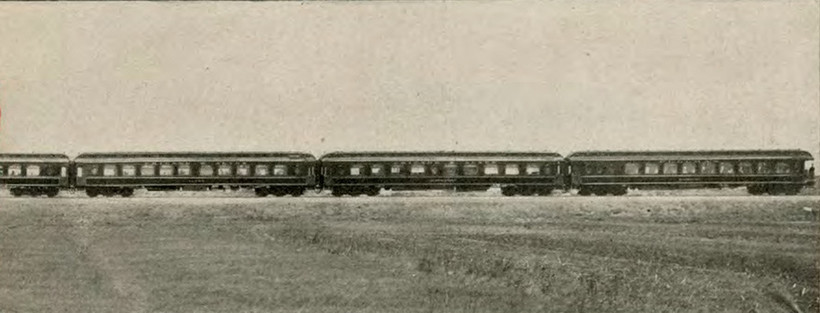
{"points": [[34, 191]]}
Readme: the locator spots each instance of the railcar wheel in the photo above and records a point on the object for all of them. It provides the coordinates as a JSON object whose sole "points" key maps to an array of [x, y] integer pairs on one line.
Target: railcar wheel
{"points": [[526, 190], [584, 191], [792, 190], [337, 192], [774, 190], [618, 190], [372, 191], [755, 189], [600, 191], [279, 191], [509, 191], [545, 191], [16, 192], [92, 192], [261, 191], [126, 192], [52, 192]]}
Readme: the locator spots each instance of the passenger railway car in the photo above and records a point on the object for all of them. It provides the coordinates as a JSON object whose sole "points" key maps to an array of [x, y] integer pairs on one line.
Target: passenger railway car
{"points": [[34, 174], [111, 174], [761, 171], [356, 173]]}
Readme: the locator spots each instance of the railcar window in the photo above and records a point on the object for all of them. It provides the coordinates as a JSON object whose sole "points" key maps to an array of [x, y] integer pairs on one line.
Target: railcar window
{"points": [[470, 170], [243, 170], [609, 169], [417, 169], [1, 171], [184, 170], [261, 170], [166, 170], [93, 170], [651, 168], [33, 170], [763, 168], [280, 170], [726, 168], [670, 168], [224, 170], [51, 170], [146, 170], [511, 169], [15, 170], [377, 169], [109, 170], [450, 169], [744, 168], [355, 170], [534, 169], [490, 169], [707, 167], [548, 169], [48, 170], [688, 168], [782, 168], [435, 169], [206, 170], [129, 170], [395, 169], [589, 169], [632, 168]]}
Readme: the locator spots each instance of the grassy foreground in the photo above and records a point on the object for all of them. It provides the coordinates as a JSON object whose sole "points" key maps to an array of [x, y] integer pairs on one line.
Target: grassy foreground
{"points": [[748, 254]]}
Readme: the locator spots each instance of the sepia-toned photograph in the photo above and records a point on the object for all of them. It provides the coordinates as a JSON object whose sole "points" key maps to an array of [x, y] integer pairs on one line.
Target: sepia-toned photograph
{"points": [[409, 156]]}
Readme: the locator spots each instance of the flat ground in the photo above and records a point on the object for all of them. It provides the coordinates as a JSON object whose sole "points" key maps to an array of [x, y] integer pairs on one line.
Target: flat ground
{"points": [[410, 254]]}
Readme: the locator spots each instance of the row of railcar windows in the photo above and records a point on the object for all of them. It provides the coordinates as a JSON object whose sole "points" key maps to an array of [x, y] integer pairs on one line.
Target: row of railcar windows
{"points": [[691, 168], [112, 170], [16, 170], [444, 169]]}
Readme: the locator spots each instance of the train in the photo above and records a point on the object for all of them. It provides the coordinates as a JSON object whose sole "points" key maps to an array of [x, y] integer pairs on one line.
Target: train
{"points": [[279, 174]]}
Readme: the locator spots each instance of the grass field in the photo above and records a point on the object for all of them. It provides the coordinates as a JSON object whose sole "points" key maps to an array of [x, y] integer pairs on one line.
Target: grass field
{"points": [[553, 254]]}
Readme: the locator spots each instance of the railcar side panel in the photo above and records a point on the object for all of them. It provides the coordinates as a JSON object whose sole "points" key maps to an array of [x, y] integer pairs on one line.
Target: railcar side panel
{"points": [[367, 173], [273, 173], [34, 174], [761, 171]]}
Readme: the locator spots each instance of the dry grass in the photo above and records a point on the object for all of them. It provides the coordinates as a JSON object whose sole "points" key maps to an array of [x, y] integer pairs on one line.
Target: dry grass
{"points": [[558, 254]]}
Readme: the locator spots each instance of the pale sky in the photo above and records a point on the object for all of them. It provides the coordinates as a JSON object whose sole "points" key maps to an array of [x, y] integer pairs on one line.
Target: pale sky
{"points": [[317, 77]]}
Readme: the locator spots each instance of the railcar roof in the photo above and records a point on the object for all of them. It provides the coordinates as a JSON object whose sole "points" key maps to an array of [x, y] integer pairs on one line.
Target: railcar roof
{"points": [[114, 157], [689, 155], [34, 157], [441, 156]]}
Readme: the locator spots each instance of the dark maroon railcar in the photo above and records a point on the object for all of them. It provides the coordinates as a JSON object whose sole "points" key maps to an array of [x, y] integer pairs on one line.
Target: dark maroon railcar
{"points": [[761, 171], [34, 174], [525, 173], [277, 173]]}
